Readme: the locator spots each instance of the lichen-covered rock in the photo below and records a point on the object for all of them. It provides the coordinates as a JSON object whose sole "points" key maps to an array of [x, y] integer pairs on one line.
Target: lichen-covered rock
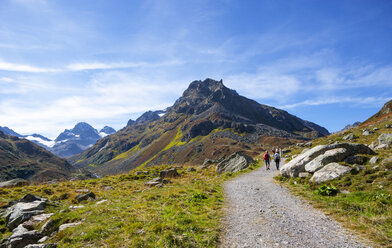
{"points": [[21, 237], [23, 211], [329, 156], [85, 197], [385, 139], [235, 162], [330, 172], [297, 165]]}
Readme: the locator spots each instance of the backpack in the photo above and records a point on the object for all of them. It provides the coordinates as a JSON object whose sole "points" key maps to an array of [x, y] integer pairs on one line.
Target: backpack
{"points": [[277, 157], [266, 156]]}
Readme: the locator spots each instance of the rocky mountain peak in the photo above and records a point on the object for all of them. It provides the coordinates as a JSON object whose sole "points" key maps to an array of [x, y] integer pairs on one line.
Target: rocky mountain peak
{"points": [[107, 130], [201, 95]]}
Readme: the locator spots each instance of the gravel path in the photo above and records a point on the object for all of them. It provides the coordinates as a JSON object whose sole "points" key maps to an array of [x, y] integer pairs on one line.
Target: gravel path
{"points": [[260, 213]]}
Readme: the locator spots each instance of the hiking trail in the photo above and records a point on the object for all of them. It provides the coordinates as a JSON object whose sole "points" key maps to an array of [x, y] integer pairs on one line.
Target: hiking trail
{"points": [[261, 213]]}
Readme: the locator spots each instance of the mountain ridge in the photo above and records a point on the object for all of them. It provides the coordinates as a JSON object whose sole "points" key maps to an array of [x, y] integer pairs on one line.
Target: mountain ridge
{"points": [[209, 120]]}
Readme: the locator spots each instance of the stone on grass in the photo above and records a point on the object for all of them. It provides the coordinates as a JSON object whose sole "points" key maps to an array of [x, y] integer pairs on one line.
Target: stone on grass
{"points": [[48, 228], [373, 160], [349, 136], [141, 173], [23, 211], [85, 197], [191, 169], [235, 162], [385, 139], [21, 237], [42, 246], [18, 182], [170, 173], [68, 225], [329, 172]]}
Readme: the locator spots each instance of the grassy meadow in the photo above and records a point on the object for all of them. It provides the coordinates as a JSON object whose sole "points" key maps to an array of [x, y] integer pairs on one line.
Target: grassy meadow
{"points": [[184, 213]]}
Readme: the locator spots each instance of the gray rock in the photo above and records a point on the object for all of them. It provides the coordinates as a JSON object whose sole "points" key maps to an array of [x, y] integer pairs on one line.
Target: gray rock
{"points": [[367, 132], [330, 172], [170, 173], [303, 174], [381, 147], [48, 228], [21, 237], [373, 160], [14, 183], [235, 162], [32, 198], [43, 239], [388, 126], [208, 162], [356, 159], [158, 181], [349, 136], [191, 169], [68, 225], [297, 165], [42, 246], [33, 221], [358, 168], [23, 211], [85, 197], [385, 138], [329, 156]]}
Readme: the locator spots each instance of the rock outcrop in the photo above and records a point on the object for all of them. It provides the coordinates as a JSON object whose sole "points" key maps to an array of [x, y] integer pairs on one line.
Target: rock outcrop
{"points": [[329, 172], [234, 163], [319, 156]]}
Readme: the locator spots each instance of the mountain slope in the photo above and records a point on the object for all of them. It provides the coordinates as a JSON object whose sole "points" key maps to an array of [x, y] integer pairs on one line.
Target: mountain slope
{"points": [[20, 158], [208, 121]]}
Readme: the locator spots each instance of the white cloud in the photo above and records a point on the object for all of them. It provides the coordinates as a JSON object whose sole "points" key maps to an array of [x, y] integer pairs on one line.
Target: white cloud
{"points": [[333, 100], [264, 85], [6, 66]]}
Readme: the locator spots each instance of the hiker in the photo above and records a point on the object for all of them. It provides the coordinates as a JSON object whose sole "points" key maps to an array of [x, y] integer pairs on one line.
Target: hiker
{"points": [[277, 160], [267, 160]]}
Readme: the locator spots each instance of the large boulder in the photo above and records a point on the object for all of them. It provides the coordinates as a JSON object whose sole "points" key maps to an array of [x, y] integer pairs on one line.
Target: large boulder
{"points": [[21, 237], [23, 211], [235, 162], [18, 182], [297, 165], [385, 139], [329, 172], [329, 156]]}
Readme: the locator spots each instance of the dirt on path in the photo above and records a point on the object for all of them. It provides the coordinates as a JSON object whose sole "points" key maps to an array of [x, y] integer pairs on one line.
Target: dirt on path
{"points": [[261, 213]]}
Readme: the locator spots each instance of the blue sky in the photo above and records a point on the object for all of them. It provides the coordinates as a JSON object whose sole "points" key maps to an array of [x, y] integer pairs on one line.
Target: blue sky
{"points": [[103, 62]]}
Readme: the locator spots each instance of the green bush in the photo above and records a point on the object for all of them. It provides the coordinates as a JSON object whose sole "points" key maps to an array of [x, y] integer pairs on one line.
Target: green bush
{"points": [[327, 190]]}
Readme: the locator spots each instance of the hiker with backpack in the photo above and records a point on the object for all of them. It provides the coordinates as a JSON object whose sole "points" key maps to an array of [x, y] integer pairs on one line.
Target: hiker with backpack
{"points": [[277, 160], [267, 160]]}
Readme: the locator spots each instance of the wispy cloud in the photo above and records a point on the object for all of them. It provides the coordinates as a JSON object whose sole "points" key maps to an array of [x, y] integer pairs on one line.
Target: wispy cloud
{"points": [[333, 100], [6, 66]]}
